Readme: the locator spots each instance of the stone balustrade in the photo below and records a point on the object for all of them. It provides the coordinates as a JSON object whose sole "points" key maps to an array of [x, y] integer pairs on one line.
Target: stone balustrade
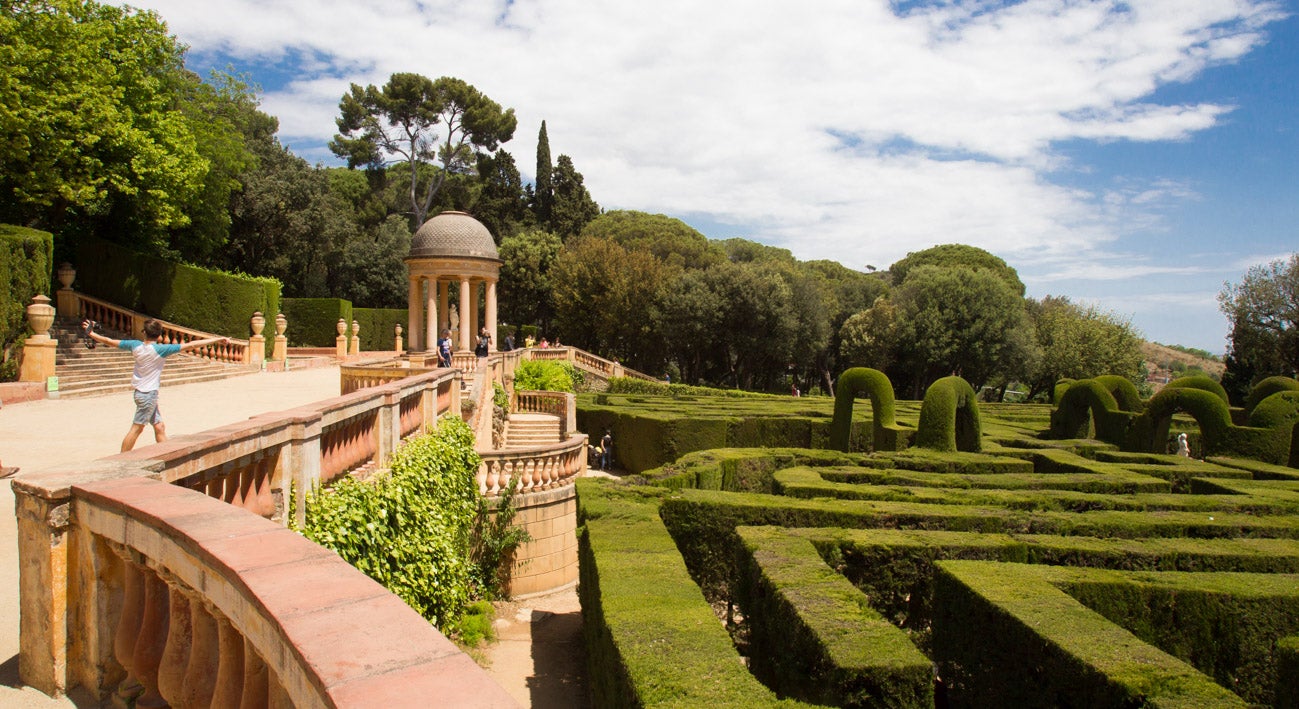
{"points": [[555, 403], [174, 593], [175, 598], [539, 468], [123, 320]]}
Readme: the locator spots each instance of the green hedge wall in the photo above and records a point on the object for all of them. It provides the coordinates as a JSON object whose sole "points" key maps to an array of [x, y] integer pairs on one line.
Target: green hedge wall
{"points": [[313, 322], [378, 331], [211, 301], [26, 261]]}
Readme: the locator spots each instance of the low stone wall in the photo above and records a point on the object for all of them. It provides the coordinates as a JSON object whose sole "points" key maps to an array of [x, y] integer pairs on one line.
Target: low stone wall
{"points": [[549, 561]]}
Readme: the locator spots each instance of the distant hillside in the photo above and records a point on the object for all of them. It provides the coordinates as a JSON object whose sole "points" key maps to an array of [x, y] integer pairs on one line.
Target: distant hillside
{"points": [[1165, 364]]}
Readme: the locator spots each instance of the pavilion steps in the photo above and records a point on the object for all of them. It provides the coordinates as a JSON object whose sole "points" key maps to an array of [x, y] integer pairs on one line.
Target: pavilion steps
{"points": [[96, 372], [528, 430]]}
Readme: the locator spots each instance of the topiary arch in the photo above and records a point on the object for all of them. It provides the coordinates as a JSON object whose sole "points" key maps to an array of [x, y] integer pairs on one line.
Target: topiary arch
{"points": [[1088, 404], [1123, 390], [1206, 407], [949, 417], [864, 380], [1203, 383], [1268, 387]]}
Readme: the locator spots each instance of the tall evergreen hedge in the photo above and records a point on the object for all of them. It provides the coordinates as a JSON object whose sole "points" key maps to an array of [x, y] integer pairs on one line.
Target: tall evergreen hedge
{"points": [[198, 298], [26, 260], [313, 322]]}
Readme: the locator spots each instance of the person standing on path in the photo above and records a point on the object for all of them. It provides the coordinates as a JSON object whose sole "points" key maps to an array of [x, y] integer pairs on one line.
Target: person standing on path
{"points": [[606, 450], [146, 377]]}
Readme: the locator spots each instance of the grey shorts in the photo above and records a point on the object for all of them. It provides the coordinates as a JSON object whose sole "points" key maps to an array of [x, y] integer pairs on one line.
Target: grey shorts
{"points": [[146, 408]]}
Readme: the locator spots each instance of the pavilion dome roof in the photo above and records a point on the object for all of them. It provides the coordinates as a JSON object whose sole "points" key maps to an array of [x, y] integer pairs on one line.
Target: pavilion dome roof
{"points": [[453, 234]]}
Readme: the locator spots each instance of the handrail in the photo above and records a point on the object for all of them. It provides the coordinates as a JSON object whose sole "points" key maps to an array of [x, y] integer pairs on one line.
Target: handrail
{"points": [[234, 351], [539, 468]]}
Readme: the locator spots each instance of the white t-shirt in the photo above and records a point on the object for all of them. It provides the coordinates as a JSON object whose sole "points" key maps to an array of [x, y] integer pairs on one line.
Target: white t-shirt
{"points": [[147, 375]]}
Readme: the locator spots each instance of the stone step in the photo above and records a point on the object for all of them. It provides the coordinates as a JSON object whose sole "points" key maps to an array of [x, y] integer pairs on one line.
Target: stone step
{"points": [[527, 430], [88, 389]]}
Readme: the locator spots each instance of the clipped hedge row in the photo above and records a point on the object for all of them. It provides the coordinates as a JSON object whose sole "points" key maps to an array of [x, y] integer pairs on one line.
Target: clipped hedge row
{"points": [[813, 634], [378, 328], [202, 299], [651, 639], [1004, 636], [633, 385], [313, 322]]}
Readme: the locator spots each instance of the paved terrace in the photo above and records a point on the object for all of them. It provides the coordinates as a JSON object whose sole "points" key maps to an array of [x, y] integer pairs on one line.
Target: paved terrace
{"points": [[42, 434]]}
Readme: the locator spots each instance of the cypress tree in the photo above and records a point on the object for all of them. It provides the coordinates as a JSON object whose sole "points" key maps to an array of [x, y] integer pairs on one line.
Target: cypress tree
{"points": [[544, 196]]}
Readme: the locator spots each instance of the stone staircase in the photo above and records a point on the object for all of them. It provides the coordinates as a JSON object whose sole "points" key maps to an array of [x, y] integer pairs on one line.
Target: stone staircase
{"points": [[104, 370], [526, 430]]}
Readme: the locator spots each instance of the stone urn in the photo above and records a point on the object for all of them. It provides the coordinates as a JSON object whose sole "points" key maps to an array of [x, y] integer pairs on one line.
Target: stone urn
{"points": [[398, 330], [40, 316], [258, 323], [281, 324], [342, 327], [66, 274], [356, 328]]}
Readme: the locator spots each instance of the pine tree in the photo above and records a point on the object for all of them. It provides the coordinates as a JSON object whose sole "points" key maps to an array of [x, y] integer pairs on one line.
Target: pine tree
{"points": [[572, 206]]}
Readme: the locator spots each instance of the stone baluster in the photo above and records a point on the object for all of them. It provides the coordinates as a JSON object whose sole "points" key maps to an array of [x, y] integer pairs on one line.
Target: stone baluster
{"points": [[175, 654], [256, 679], [128, 626], [481, 477], [204, 659], [229, 685], [152, 639], [527, 475]]}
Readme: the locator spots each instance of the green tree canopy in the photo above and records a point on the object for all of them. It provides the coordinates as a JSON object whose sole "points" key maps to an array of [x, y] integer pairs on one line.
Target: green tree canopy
{"points": [[102, 128], [1080, 342], [1264, 313], [433, 126], [954, 321], [671, 240], [525, 285], [573, 207], [961, 255]]}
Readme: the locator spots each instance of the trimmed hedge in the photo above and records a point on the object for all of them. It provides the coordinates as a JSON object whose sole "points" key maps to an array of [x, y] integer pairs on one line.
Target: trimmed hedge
{"points": [[1005, 636], [651, 639], [813, 634], [26, 261], [887, 435], [378, 328], [202, 299], [1268, 387], [313, 322], [949, 417]]}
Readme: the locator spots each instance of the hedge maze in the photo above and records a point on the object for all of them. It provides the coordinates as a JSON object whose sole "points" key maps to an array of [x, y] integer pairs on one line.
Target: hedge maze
{"points": [[756, 565]]}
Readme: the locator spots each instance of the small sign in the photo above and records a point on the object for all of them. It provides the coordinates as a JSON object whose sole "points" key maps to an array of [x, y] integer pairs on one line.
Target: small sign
{"points": [[51, 384]]}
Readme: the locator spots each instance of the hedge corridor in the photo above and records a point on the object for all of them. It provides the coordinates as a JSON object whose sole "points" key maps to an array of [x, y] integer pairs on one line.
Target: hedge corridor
{"points": [[745, 561]]}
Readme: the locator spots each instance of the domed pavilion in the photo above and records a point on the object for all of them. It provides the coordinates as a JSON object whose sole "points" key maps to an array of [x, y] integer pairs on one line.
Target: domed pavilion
{"points": [[451, 248]]}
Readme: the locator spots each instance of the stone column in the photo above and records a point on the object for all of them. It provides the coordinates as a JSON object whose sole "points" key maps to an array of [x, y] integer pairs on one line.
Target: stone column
{"points": [[413, 319], [38, 352], [466, 307], [474, 322], [430, 314], [444, 303], [43, 525], [491, 312]]}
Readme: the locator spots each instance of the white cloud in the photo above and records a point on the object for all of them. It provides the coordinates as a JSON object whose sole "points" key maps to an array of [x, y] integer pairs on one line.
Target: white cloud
{"points": [[841, 129]]}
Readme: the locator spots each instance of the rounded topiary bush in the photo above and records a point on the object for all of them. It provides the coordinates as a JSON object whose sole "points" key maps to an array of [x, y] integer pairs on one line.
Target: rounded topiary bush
{"points": [[1276, 411], [1201, 382], [1268, 387]]}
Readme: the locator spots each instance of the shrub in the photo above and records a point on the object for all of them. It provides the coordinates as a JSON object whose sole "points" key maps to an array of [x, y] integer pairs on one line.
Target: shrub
{"points": [[542, 375], [409, 529], [313, 322]]}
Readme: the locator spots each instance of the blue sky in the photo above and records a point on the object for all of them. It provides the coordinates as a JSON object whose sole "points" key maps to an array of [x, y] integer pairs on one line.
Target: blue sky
{"points": [[1134, 155]]}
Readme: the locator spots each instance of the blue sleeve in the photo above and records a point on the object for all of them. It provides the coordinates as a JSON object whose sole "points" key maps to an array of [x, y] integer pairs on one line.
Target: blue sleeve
{"points": [[166, 350], [128, 344]]}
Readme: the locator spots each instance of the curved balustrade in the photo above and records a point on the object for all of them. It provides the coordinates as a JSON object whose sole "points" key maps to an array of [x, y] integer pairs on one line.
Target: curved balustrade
{"points": [[540, 468], [221, 608]]}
